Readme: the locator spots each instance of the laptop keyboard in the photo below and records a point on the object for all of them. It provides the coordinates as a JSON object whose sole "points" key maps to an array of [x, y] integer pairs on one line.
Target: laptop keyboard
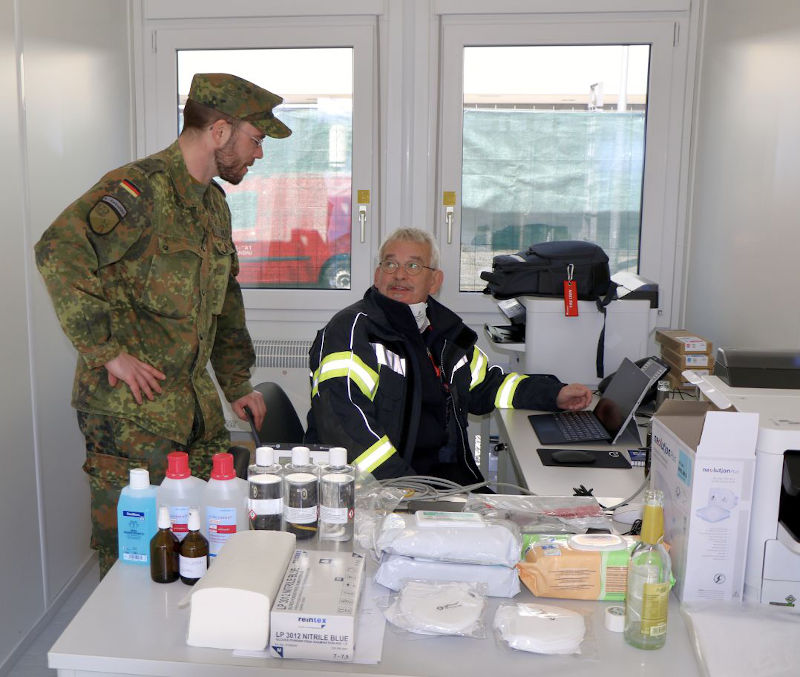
{"points": [[579, 425]]}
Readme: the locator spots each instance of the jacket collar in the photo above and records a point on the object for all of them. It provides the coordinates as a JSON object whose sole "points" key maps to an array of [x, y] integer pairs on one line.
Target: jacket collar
{"points": [[190, 191]]}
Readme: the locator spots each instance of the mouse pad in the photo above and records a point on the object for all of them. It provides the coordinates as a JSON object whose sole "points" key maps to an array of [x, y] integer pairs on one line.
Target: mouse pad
{"points": [[602, 459]]}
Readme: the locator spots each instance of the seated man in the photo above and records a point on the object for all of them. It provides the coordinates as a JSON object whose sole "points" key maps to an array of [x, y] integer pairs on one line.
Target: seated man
{"points": [[395, 375]]}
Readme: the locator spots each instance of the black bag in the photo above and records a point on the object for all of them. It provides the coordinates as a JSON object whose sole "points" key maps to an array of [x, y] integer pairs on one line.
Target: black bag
{"points": [[543, 268], [542, 271]]}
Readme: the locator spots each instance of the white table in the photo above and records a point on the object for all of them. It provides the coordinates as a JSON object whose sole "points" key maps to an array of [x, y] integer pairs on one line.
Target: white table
{"points": [[517, 432], [132, 626]]}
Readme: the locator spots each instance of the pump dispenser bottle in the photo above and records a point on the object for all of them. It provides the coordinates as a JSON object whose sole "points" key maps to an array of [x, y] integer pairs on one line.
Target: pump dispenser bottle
{"points": [[301, 492], [164, 548], [225, 502], [265, 498], [649, 573], [136, 518], [337, 497]]}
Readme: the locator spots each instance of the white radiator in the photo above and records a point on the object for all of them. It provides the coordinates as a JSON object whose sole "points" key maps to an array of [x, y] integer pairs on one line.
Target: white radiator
{"points": [[284, 362]]}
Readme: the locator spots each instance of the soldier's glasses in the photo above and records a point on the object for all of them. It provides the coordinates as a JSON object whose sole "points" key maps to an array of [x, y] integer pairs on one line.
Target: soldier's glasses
{"points": [[411, 267], [258, 141]]}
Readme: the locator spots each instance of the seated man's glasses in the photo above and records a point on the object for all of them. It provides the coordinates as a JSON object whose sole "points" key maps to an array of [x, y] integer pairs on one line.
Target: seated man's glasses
{"points": [[412, 267]]}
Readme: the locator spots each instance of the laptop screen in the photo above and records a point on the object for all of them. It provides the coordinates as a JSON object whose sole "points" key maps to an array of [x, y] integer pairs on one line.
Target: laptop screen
{"points": [[618, 403]]}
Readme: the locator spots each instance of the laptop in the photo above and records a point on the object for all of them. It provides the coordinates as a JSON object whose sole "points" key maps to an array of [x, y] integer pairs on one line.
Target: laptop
{"points": [[610, 417]]}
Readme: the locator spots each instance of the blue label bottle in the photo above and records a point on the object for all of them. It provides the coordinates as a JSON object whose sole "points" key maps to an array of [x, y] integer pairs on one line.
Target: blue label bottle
{"points": [[136, 518]]}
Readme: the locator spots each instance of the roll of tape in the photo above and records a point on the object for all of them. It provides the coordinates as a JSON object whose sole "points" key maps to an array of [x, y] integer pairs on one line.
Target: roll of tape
{"points": [[615, 618]]}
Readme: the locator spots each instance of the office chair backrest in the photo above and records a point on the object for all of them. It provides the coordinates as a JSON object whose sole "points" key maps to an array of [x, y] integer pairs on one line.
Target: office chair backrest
{"points": [[281, 424]]}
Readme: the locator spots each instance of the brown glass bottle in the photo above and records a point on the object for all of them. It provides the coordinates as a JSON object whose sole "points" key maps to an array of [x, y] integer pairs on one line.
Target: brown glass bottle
{"points": [[164, 548], [193, 551]]}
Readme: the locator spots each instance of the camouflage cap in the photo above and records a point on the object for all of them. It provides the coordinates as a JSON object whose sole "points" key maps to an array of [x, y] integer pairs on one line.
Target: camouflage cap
{"points": [[240, 99]]}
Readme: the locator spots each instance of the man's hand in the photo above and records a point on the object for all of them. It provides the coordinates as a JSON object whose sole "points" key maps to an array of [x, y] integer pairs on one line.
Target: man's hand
{"points": [[254, 401], [573, 397], [140, 377]]}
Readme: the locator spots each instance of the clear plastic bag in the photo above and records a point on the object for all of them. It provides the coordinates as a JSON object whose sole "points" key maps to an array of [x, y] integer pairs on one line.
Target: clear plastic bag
{"points": [[540, 628], [451, 537], [438, 608], [542, 514]]}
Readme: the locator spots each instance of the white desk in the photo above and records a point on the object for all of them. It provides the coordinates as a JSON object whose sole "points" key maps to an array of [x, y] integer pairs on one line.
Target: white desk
{"points": [[516, 430], [132, 626]]}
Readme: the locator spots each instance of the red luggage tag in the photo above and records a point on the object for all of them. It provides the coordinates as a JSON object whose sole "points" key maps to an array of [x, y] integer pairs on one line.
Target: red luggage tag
{"points": [[570, 294]]}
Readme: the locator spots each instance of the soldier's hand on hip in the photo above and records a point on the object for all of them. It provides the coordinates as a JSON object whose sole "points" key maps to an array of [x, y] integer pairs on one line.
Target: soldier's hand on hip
{"points": [[140, 376]]}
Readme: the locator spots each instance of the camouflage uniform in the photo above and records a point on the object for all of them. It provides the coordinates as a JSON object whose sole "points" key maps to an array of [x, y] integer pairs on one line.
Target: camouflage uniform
{"points": [[144, 263]]}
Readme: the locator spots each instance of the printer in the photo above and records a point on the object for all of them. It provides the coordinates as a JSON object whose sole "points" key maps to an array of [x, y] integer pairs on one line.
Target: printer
{"points": [[568, 346], [772, 570]]}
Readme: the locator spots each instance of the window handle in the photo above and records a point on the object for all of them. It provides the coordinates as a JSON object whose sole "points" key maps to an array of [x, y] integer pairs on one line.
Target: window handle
{"points": [[448, 217], [362, 220]]}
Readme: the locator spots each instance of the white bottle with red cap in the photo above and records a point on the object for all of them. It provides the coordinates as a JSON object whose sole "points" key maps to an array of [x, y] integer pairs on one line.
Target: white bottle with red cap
{"points": [[179, 491], [224, 503]]}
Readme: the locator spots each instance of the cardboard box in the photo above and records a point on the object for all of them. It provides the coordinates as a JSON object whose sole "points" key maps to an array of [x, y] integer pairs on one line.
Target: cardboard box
{"points": [[314, 615], [677, 382], [683, 361], [703, 460], [682, 341]]}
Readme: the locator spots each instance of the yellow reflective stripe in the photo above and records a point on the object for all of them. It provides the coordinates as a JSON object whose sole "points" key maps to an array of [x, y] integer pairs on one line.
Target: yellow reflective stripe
{"points": [[349, 365], [315, 382], [477, 367], [505, 393], [375, 455]]}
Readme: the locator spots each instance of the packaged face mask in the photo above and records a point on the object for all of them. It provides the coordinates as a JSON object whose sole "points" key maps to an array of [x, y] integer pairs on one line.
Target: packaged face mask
{"points": [[540, 628], [435, 608]]}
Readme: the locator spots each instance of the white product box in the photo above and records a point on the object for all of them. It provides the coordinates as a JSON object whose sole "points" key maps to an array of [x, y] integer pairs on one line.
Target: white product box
{"points": [[703, 459], [314, 614]]}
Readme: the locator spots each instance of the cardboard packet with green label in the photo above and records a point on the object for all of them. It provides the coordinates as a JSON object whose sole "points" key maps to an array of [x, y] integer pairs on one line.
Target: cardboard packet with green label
{"points": [[576, 566]]}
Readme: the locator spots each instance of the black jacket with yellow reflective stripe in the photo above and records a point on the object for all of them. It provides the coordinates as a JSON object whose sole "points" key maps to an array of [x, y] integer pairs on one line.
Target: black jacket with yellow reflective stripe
{"points": [[366, 397]]}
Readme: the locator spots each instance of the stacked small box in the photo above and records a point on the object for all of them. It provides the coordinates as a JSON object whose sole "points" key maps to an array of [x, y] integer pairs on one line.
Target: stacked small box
{"points": [[683, 350]]}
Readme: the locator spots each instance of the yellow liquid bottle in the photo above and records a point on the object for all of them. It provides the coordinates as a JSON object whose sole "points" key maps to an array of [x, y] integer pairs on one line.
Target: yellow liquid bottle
{"points": [[649, 575]]}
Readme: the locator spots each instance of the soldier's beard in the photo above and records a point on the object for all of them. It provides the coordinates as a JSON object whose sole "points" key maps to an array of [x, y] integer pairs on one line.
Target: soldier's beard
{"points": [[229, 167]]}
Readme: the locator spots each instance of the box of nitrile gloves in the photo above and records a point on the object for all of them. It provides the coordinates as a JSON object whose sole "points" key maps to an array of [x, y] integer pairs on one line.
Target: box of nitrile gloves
{"points": [[314, 614]]}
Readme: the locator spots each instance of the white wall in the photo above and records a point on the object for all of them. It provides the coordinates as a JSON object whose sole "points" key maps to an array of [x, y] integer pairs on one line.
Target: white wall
{"points": [[21, 589], [70, 123], [743, 273]]}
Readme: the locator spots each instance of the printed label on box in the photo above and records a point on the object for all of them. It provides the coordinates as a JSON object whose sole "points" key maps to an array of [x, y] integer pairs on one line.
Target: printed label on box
{"points": [[692, 344]]}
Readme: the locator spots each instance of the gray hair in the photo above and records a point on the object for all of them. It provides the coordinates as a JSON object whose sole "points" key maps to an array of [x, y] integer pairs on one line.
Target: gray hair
{"points": [[412, 235]]}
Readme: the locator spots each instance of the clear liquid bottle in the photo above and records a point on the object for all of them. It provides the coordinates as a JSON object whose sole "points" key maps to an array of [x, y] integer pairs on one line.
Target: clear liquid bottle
{"points": [[225, 503], [649, 574], [179, 491], [265, 498], [193, 556], [136, 518], [164, 547], [300, 495], [337, 484]]}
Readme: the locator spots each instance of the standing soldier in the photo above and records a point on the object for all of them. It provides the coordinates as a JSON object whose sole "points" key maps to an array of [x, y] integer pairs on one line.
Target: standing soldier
{"points": [[142, 271]]}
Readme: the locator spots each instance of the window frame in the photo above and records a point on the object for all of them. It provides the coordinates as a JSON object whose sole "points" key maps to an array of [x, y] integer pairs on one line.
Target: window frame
{"points": [[662, 208], [356, 32]]}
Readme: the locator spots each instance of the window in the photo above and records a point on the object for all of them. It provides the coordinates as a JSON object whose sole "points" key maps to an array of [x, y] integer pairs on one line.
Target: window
{"points": [[556, 121], [291, 212], [553, 149], [293, 217]]}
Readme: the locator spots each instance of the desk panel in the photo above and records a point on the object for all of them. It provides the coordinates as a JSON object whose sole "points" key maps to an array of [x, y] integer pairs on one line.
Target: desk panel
{"points": [[517, 432]]}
